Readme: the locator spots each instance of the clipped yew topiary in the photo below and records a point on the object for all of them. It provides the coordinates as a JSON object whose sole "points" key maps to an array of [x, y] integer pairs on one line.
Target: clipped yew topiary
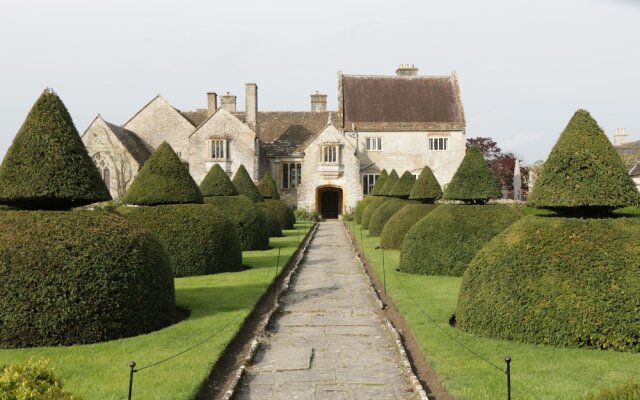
{"points": [[362, 204], [446, 240], [399, 224], [245, 186], [217, 183], [583, 174], [426, 189], [473, 182], [199, 238], [389, 184], [382, 178], [47, 166], [371, 208], [71, 277], [402, 189], [163, 179], [561, 281], [249, 220], [384, 212], [268, 188], [284, 214], [273, 224]]}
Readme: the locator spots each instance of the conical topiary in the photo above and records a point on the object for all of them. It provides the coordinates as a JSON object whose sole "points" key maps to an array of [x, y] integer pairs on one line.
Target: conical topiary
{"points": [[245, 186], [382, 178], [217, 183], [404, 186], [583, 173], [426, 189], [163, 180], [268, 188], [473, 182], [47, 166], [389, 184]]}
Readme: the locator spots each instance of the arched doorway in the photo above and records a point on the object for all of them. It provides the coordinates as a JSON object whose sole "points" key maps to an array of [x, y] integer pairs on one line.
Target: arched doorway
{"points": [[329, 200]]}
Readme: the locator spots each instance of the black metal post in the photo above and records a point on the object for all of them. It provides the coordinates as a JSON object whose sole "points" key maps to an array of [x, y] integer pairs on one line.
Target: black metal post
{"points": [[384, 272], [132, 366], [508, 361]]}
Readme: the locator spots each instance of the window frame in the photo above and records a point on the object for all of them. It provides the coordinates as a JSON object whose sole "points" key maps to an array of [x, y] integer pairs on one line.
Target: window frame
{"points": [[377, 140], [441, 143], [291, 176], [222, 148], [367, 187]]}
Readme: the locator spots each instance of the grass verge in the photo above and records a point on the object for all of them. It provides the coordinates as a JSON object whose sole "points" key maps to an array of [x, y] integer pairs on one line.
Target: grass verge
{"points": [[538, 372], [100, 371]]}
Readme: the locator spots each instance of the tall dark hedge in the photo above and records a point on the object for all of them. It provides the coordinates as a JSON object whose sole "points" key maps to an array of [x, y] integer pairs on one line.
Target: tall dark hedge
{"points": [[273, 224], [249, 221], [370, 210], [217, 183], [389, 184], [245, 186], [47, 166], [268, 188], [473, 182], [399, 224], [445, 241], [79, 277], [198, 238], [282, 211], [402, 189], [163, 180], [383, 213], [362, 204], [426, 189], [382, 178], [561, 281], [583, 172]]}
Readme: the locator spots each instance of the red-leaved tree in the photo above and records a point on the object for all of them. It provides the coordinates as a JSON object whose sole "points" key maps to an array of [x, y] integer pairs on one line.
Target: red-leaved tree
{"points": [[501, 164]]}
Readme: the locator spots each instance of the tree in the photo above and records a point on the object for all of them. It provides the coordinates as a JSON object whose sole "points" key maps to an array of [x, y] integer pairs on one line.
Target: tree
{"points": [[217, 183], [426, 189], [245, 186], [501, 164], [268, 188], [402, 189], [473, 182]]}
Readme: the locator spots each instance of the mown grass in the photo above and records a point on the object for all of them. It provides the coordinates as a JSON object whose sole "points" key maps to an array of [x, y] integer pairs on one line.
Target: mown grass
{"points": [[538, 372], [100, 371]]}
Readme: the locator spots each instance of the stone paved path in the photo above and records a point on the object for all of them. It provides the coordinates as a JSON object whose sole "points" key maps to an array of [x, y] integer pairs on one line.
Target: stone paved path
{"points": [[329, 341]]}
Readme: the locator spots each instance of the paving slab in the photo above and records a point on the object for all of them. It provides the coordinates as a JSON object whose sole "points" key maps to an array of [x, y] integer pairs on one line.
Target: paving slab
{"points": [[329, 340]]}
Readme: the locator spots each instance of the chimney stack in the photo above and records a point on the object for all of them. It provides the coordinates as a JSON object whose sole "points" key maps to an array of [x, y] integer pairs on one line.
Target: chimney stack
{"points": [[228, 102], [318, 102], [212, 103], [407, 70], [620, 137], [251, 98]]}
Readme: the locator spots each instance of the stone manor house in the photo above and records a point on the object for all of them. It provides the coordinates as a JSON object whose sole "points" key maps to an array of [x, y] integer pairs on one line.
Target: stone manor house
{"points": [[322, 160]]}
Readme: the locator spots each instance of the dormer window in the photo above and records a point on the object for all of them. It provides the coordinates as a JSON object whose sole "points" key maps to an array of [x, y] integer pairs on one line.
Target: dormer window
{"points": [[438, 143], [330, 154], [218, 149]]}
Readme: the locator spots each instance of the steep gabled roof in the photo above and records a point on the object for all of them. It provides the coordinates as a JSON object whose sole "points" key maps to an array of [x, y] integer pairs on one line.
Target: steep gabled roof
{"points": [[132, 142], [160, 98], [196, 117], [374, 102]]}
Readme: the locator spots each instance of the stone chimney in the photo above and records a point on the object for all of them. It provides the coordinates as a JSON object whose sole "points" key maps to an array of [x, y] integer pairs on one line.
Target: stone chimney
{"points": [[212, 103], [228, 102], [318, 102], [407, 70], [251, 105], [620, 137]]}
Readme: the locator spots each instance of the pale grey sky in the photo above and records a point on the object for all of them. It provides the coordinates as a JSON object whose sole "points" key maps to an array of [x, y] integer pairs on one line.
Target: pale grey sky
{"points": [[524, 66]]}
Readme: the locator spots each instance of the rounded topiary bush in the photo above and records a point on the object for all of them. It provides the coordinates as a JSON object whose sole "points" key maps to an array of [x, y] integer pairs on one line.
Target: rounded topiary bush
{"points": [[250, 222], [283, 213], [198, 238], [383, 213], [80, 277], [273, 223], [399, 224], [473, 182], [371, 208], [561, 281], [426, 189], [362, 204], [445, 241]]}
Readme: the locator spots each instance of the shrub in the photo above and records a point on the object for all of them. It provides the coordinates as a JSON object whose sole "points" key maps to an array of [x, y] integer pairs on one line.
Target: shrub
{"points": [[33, 380], [583, 172], [163, 180], [389, 184], [198, 238], [402, 189], [362, 204], [304, 215], [245, 186], [627, 391], [70, 277], [445, 241], [251, 224], [382, 178], [561, 281], [273, 224], [473, 182], [371, 208], [383, 213], [399, 224], [217, 183], [283, 213], [47, 166], [426, 189], [268, 188]]}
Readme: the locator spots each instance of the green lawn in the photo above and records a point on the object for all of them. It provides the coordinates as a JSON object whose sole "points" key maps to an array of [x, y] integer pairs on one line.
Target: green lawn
{"points": [[101, 371], [538, 372]]}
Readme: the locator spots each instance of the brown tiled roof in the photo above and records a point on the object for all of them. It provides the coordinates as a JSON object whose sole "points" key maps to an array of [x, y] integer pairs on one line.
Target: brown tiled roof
{"points": [[196, 117], [401, 102], [132, 142]]}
